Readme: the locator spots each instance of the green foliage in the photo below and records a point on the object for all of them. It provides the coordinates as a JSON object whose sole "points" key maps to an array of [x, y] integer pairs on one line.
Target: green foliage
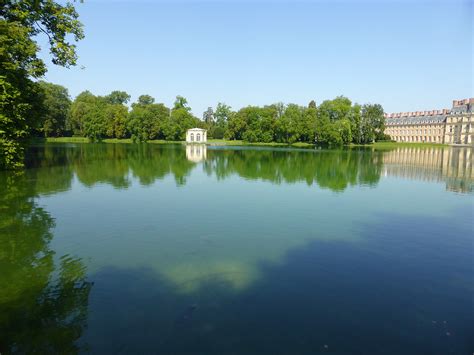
{"points": [[374, 121], [181, 103], [253, 124], [20, 23], [217, 132], [56, 107], [95, 122], [145, 100], [208, 116], [222, 114], [334, 122], [295, 124], [80, 109], [116, 120], [180, 121], [147, 120], [99, 117], [88, 116], [118, 97]]}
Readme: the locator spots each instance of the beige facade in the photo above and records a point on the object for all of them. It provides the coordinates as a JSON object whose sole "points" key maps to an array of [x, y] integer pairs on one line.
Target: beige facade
{"points": [[459, 129], [196, 135], [454, 126], [421, 132]]}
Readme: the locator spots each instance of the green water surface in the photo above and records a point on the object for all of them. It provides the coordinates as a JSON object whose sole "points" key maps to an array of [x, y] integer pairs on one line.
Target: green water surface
{"points": [[173, 249]]}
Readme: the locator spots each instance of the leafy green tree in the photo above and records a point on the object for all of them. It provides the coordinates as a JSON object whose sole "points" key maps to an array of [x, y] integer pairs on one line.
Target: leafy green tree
{"points": [[56, 107], [295, 125], [221, 117], [253, 124], [335, 121], [356, 125], [208, 116], [237, 124], [180, 121], [222, 114], [181, 103], [20, 24], [309, 118], [145, 100], [83, 110], [79, 108], [117, 97], [147, 120], [116, 120], [95, 122], [337, 109], [373, 116]]}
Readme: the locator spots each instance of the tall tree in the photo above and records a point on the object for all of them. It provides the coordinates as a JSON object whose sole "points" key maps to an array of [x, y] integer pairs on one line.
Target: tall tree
{"points": [[117, 97], [145, 100], [20, 23], [56, 107], [373, 115], [147, 120], [116, 120], [208, 116], [181, 103], [82, 110], [222, 114]]}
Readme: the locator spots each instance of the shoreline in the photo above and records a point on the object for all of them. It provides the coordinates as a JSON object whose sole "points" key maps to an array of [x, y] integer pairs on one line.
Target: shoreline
{"points": [[223, 142]]}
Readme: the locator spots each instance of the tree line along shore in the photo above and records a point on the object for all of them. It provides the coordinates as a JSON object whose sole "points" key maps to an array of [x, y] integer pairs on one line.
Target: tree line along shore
{"points": [[97, 118]]}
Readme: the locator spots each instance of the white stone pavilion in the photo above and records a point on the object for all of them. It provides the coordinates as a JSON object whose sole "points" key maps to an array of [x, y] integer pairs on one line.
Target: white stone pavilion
{"points": [[196, 135]]}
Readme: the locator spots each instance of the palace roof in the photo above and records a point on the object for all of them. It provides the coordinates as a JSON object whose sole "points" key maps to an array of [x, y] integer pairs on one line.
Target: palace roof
{"points": [[416, 120]]}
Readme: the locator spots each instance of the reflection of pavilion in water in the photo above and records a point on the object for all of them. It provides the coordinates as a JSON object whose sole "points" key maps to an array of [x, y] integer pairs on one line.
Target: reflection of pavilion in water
{"points": [[454, 166], [196, 152]]}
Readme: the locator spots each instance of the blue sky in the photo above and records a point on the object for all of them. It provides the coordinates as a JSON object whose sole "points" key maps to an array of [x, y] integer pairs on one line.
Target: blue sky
{"points": [[405, 55]]}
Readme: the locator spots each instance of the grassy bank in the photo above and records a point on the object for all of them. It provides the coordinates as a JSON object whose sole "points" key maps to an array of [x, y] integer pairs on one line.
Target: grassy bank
{"points": [[391, 145], [223, 142], [86, 140], [218, 142], [257, 144]]}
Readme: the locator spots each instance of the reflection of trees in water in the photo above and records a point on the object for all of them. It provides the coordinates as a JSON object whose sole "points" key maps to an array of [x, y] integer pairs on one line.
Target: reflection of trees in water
{"points": [[329, 169], [43, 306], [114, 164]]}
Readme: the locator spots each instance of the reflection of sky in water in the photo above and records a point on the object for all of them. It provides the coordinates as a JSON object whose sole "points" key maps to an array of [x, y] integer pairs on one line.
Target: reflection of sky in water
{"points": [[225, 229]]}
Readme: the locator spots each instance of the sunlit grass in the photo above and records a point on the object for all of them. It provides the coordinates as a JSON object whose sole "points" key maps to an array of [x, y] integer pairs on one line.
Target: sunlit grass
{"points": [[224, 142], [391, 145]]}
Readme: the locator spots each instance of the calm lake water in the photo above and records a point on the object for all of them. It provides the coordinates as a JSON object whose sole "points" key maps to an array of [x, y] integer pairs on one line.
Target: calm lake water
{"points": [[168, 249]]}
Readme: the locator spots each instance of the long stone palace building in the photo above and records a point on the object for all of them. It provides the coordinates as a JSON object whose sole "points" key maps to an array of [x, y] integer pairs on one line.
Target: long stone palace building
{"points": [[447, 126]]}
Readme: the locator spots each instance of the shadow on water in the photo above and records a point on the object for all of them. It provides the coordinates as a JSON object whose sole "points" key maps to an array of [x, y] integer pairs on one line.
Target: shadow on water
{"points": [[327, 297]]}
